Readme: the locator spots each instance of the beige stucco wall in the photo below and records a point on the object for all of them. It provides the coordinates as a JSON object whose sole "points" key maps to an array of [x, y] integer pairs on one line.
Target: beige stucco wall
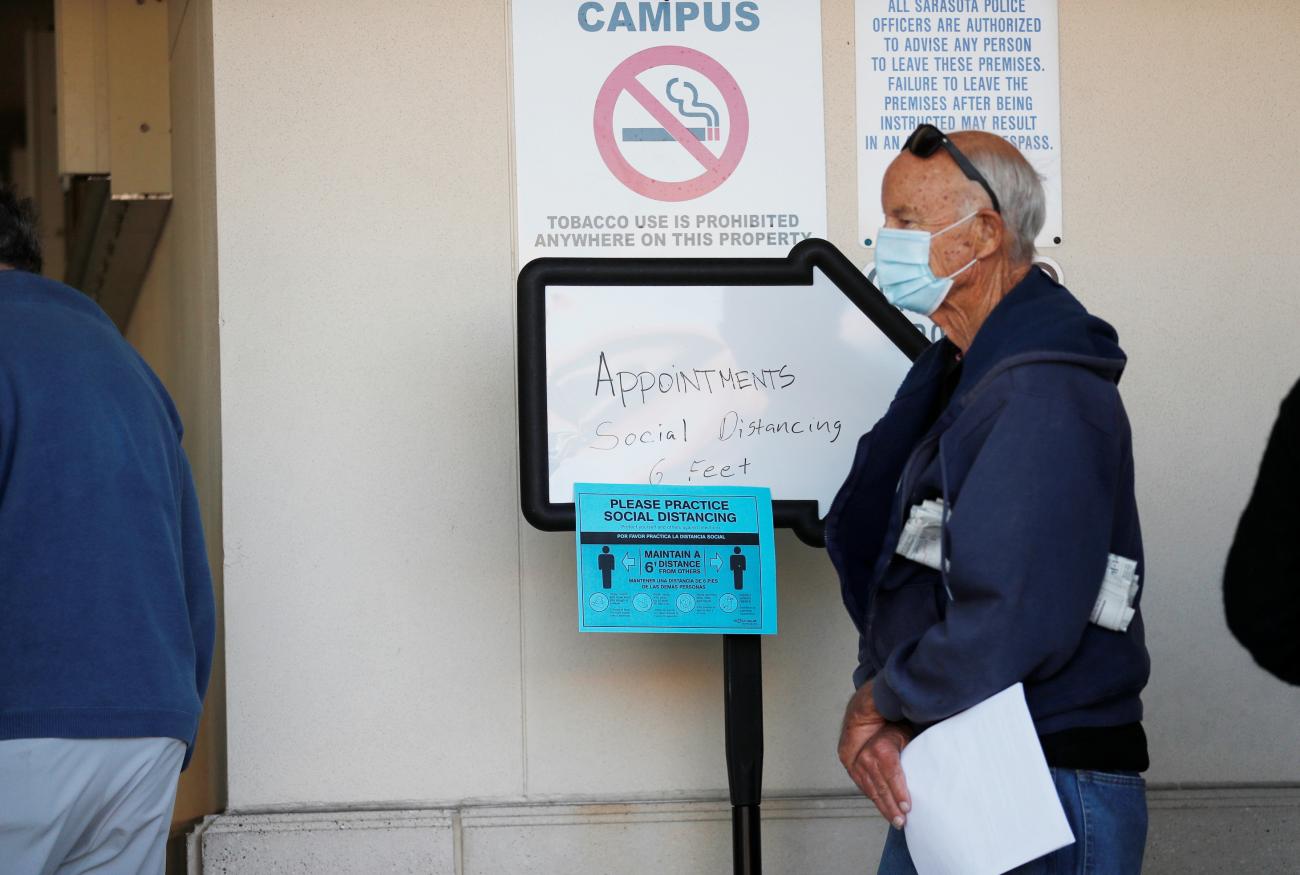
{"points": [[174, 326], [397, 635]]}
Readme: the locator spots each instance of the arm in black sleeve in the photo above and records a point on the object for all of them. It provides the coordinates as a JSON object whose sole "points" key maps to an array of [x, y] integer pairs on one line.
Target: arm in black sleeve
{"points": [[1261, 585]]}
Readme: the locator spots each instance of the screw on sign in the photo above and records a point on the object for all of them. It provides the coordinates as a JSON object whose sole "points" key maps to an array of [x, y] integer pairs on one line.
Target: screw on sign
{"points": [[716, 168]]}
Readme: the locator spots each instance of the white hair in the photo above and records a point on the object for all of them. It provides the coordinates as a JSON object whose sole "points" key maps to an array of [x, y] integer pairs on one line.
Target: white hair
{"points": [[1020, 193]]}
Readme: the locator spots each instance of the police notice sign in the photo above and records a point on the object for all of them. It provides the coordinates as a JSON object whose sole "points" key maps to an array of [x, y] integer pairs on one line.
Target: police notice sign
{"points": [[984, 65]]}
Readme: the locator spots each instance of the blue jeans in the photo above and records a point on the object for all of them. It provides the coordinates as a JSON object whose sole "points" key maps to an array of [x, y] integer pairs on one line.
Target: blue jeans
{"points": [[1107, 812]]}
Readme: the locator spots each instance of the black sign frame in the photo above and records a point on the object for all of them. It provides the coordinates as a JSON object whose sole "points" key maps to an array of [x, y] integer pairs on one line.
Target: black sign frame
{"points": [[796, 269]]}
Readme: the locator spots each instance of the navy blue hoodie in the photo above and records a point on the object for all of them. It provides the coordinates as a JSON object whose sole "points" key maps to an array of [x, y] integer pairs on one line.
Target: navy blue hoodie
{"points": [[1033, 457], [106, 605]]}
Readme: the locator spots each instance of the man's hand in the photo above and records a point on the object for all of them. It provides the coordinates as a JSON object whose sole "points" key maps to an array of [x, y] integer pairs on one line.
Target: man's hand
{"points": [[870, 750]]}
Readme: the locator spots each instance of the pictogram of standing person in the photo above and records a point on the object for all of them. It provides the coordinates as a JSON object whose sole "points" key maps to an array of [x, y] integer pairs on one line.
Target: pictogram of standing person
{"points": [[606, 562], [738, 569]]}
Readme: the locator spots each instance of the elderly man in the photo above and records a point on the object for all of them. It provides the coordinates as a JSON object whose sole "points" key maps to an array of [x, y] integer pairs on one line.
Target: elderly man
{"points": [[1010, 436]]}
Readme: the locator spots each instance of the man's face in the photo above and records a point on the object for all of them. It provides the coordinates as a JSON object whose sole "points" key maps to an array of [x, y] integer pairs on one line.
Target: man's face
{"points": [[929, 194]]}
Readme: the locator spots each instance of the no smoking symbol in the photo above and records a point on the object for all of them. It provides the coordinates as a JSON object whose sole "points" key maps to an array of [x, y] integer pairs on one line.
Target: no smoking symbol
{"points": [[717, 169]]}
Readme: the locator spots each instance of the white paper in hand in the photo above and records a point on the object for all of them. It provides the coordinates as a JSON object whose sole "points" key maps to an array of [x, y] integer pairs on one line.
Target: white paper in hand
{"points": [[983, 801]]}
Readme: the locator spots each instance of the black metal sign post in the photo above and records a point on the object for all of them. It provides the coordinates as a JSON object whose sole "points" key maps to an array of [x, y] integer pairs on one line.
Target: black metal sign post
{"points": [[742, 678], [742, 666]]}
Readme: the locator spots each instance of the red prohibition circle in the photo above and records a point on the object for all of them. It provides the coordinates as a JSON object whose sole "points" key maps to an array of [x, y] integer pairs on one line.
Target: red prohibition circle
{"points": [[717, 169]]}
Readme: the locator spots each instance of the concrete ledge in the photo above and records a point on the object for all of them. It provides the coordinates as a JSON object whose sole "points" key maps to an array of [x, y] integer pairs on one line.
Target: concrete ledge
{"points": [[338, 842], [1224, 829], [839, 833], [1193, 829]]}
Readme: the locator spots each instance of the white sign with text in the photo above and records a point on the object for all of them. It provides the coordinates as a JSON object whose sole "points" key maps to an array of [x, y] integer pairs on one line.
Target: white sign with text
{"points": [[745, 385], [681, 129]]}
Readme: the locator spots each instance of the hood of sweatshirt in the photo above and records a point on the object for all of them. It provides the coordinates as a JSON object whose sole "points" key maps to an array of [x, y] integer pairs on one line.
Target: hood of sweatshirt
{"points": [[1039, 321]]}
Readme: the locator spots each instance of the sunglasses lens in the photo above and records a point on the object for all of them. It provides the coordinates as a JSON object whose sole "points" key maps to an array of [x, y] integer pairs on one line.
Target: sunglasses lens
{"points": [[925, 141]]}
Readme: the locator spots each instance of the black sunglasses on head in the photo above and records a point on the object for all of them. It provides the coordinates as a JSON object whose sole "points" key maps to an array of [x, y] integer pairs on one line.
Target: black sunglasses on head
{"points": [[927, 139]]}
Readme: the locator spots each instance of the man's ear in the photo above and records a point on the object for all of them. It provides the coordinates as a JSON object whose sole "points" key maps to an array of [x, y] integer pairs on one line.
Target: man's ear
{"points": [[989, 233]]}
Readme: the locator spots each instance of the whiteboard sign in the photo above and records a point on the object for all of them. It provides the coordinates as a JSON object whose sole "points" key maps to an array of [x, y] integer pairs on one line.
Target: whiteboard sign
{"points": [[988, 65], [698, 373]]}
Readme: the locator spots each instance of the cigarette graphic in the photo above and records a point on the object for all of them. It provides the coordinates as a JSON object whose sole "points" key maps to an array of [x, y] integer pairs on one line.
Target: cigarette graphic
{"points": [[660, 135]]}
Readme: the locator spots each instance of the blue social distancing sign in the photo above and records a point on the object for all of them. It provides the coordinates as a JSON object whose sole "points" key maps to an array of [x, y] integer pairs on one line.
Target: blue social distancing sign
{"points": [[681, 559]]}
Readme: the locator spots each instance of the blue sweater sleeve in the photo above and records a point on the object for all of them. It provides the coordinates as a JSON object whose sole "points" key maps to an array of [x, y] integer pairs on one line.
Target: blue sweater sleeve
{"points": [[198, 586], [1028, 539]]}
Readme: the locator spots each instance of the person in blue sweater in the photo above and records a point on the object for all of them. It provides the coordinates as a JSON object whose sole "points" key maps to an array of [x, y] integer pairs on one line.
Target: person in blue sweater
{"points": [[984, 510], [106, 604]]}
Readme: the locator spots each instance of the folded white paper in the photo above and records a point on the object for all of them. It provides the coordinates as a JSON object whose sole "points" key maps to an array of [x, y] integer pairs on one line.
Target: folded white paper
{"points": [[1119, 588], [922, 535], [983, 801]]}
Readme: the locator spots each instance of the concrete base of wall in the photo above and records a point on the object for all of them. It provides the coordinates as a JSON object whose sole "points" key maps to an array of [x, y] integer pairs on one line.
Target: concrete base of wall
{"points": [[1209, 829]]}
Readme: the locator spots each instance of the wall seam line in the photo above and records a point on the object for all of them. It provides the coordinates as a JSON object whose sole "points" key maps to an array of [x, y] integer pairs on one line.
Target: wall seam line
{"points": [[507, 12], [457, 842], [180, 22]]}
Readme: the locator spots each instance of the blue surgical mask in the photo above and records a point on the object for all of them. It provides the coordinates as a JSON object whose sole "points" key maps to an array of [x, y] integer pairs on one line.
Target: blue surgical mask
{"points": [[903, 268]]}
